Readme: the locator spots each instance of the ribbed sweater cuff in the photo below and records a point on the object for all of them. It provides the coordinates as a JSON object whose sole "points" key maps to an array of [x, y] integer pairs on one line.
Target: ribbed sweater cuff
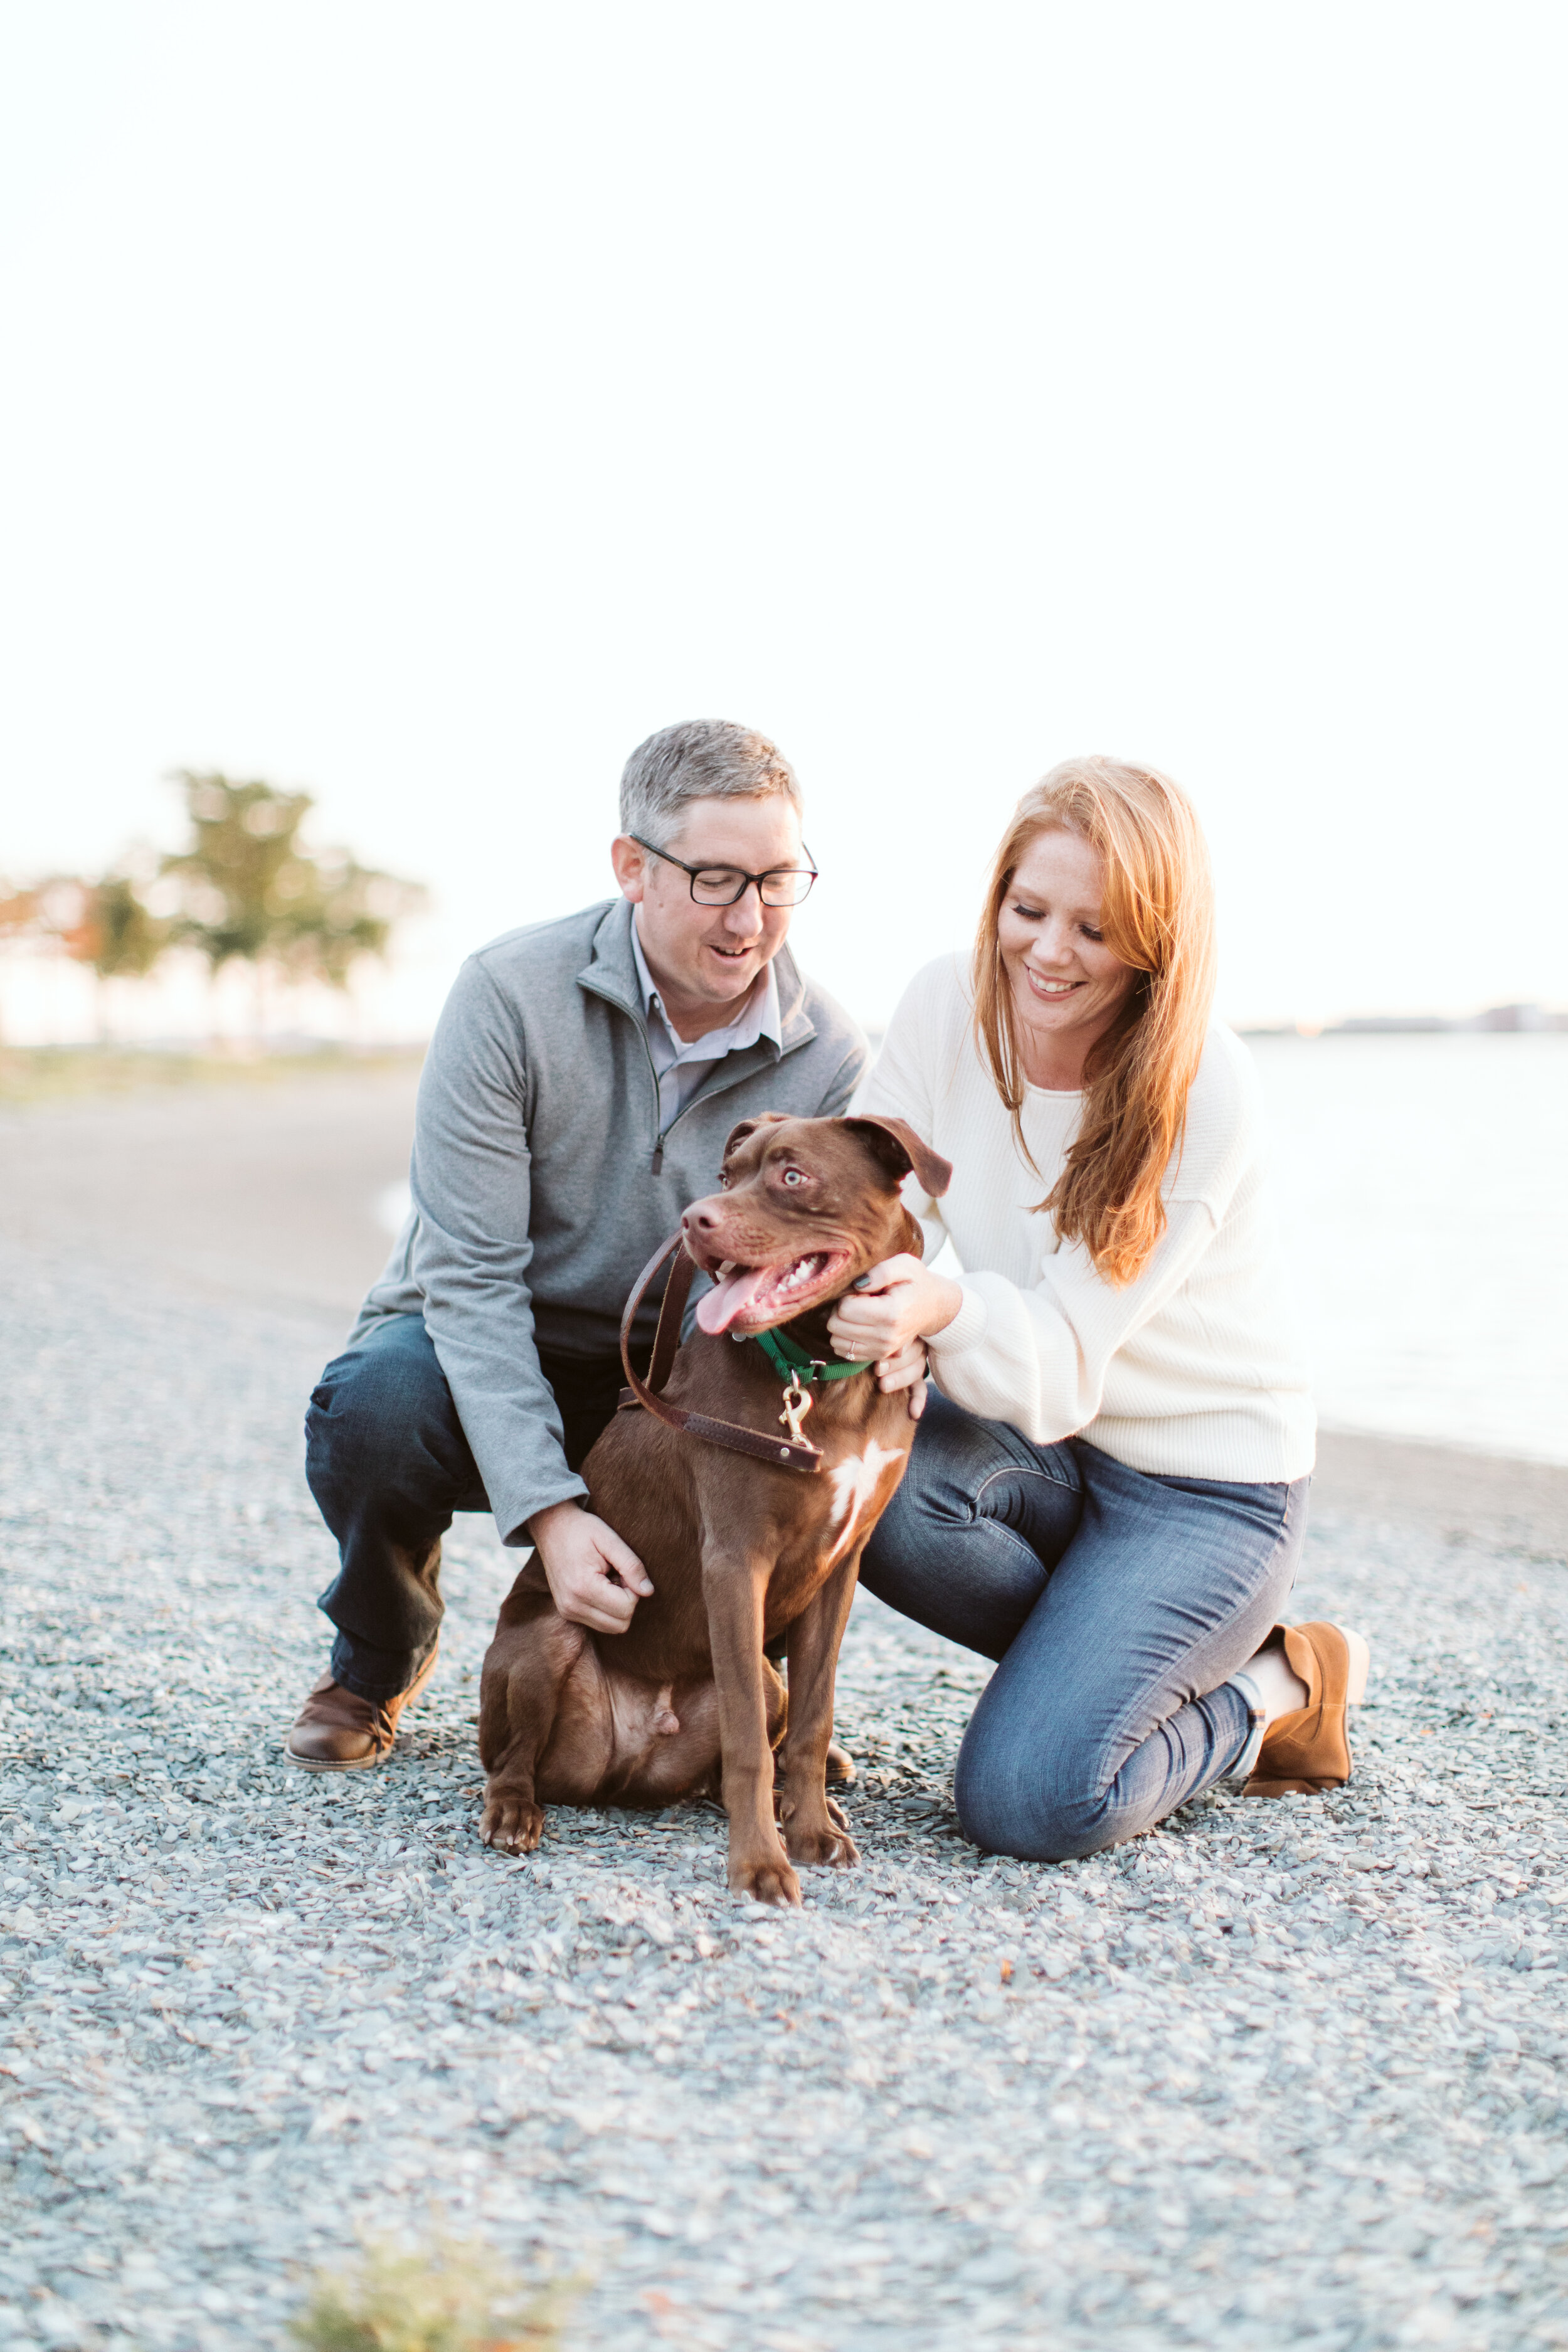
{"points": [[966, 1330], [512, 1521]]}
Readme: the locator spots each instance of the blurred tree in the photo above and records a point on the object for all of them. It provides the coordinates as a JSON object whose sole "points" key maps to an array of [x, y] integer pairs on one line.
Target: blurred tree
{"points": [[60, 906], [250, 890], [347, 911], [105, 924], [118, 935], [242, 868], [18, 910], [18, 914]]}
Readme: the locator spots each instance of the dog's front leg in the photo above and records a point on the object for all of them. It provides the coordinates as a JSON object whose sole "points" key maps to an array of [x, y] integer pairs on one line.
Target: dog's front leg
{"points": [[533, 1650], [733, 1585], [814, 1829]]}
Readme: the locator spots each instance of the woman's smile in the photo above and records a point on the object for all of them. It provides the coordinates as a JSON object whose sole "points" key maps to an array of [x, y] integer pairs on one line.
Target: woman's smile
{"points": [[1067, 986]]}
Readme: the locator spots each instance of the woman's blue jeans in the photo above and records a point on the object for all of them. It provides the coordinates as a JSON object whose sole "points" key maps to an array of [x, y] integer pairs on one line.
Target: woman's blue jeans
{"points": [[1117, 1604]]}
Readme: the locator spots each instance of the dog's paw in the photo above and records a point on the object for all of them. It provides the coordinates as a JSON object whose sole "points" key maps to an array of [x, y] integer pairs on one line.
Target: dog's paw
{"points": [[513, 1824], [817, 1845], [769, 1879], [807, 1837]]}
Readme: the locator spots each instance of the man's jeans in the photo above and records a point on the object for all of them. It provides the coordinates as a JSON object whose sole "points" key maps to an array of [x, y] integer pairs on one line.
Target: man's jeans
{"points": [[1118, 1603], [388, 1464]]}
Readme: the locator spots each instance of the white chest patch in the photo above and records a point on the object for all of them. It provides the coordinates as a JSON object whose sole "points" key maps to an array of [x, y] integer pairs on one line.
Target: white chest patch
{"points": [[855, 1484]]}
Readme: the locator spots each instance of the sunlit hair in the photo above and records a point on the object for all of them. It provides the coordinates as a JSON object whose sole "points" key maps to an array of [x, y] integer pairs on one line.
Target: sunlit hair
{"points": [[701, 759], [1158, 916]]}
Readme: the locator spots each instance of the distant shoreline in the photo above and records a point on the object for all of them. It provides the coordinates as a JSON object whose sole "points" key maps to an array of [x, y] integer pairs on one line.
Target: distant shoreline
{"points": [[87, 1073], [1498, 1500], [1498, 1021]]}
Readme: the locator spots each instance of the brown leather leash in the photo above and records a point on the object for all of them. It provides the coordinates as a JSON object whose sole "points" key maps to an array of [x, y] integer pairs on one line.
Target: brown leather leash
{"points": [[795, 1455]]}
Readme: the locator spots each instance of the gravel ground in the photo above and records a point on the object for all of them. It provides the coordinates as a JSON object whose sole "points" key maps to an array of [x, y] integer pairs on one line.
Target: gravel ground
{"points": [[1279, 2072]]}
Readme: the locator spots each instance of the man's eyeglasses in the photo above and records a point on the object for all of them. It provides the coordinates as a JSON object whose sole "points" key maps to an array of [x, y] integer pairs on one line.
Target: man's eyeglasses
{"points": [[724, 885]]}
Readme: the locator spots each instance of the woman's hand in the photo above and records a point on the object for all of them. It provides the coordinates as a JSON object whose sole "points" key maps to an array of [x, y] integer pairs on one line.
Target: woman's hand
{"points": [[906, 1370], [888, 1309]]}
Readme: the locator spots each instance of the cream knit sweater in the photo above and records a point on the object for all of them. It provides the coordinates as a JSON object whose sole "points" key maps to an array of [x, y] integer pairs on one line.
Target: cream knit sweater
{"points": [[1190, 1370]]}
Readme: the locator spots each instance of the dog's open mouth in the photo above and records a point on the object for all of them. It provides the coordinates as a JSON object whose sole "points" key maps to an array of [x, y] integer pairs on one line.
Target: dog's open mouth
{"points": [[752, 1297]]}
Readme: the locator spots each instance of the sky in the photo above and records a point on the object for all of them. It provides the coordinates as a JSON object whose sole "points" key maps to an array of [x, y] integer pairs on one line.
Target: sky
{"points": [[422, 404]]}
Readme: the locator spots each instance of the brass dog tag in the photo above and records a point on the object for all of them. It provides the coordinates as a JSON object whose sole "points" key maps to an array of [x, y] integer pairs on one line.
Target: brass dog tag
{"points": [[796, 1406]]}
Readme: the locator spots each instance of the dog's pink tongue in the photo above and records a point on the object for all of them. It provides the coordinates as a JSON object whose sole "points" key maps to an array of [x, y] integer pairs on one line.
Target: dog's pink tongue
{"points": [[719, 1307]]}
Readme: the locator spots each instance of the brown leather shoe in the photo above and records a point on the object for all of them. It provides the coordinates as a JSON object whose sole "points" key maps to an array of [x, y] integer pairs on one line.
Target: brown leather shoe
{"points": [[338, 1731], [1310, 1751]]}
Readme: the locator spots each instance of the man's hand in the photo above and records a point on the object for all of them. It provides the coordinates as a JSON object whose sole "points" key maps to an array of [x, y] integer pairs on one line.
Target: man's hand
{"points": [[594, 1578]]}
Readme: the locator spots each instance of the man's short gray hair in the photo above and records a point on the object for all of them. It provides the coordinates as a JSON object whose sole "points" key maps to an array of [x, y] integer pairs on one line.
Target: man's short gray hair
{"points": [[703, 758]]}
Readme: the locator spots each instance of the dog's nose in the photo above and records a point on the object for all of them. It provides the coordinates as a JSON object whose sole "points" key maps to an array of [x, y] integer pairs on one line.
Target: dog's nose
{"points": [[700, 1219]]}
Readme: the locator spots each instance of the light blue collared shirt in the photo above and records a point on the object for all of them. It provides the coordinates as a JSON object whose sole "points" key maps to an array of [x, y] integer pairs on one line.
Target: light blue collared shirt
{"points": [[679, 1067]]}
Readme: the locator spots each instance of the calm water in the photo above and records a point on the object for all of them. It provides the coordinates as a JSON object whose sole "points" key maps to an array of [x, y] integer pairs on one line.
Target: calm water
{"points": [[1422, 1188]]}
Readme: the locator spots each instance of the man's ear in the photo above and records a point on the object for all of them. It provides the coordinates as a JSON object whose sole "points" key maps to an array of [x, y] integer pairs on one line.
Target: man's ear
{"points": [[738, 1135], [629, 862], [899, 1148]]}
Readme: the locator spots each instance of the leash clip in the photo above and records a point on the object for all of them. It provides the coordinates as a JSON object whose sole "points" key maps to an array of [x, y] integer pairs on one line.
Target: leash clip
{"points": [[798, 1404]]}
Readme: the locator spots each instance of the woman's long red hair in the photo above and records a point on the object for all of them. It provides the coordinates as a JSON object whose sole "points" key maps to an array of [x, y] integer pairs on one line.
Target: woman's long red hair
{"points": [[1158, 916]]}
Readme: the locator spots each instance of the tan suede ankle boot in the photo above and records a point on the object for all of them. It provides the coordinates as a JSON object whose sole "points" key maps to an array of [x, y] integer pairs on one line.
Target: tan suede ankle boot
{"points": [[1310, 1751]]}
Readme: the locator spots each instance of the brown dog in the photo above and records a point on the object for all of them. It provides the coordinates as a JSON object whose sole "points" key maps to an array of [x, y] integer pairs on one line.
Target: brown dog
{"points": [[739, 1550]]}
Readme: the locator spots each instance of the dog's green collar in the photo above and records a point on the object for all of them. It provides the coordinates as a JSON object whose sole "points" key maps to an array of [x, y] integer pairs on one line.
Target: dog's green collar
{"points": [[790, 1361]]}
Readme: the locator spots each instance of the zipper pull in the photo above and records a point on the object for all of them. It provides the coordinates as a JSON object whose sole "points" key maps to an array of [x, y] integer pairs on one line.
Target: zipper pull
{"points": [[659, 1155]]}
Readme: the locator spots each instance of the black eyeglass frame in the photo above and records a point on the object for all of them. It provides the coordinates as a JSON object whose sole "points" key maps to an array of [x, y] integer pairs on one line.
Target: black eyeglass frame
{"points": [[691, 872]]}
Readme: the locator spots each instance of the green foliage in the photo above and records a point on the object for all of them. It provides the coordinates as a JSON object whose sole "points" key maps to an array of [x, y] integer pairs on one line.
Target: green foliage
{"points": [[349, 912], [116, 933], [451, 2299], [250, 890]]}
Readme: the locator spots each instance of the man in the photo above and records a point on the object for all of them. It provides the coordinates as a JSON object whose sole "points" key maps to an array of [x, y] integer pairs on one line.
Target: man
{"points": [[576, 1098]]}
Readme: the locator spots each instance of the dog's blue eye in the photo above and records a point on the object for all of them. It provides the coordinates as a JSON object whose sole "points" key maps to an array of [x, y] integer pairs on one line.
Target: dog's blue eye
{"points": [[794, 1176]]}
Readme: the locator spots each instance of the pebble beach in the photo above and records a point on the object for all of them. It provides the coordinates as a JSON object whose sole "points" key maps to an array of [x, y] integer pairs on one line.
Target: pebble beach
{"points": [[1280, 2072]]}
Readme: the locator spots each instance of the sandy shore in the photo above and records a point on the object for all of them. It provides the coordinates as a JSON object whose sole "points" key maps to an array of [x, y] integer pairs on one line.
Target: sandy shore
{"points": [[1466, 1498]]}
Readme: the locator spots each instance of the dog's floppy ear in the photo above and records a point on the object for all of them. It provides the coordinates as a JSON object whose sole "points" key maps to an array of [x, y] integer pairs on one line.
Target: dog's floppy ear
{"points": [[900, 1149], [749, 1127]]}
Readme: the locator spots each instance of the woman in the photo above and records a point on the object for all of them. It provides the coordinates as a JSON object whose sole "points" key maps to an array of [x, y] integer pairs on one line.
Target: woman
{"points": [[1109, 1492]]}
